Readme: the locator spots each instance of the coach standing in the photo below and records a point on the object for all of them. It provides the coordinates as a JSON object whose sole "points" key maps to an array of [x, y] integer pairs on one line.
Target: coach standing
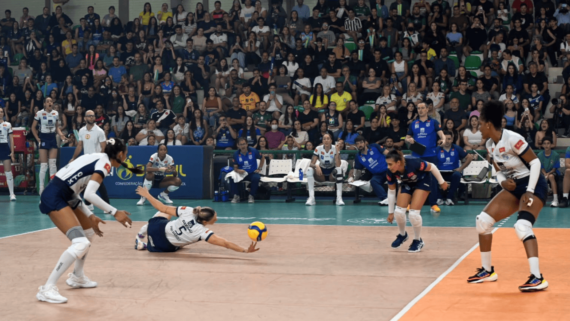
{"points": [[427, 131], [92, 138]]}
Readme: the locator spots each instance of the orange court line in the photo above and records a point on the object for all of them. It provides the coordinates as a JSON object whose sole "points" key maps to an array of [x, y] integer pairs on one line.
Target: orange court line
{"points": [[454, 299]]}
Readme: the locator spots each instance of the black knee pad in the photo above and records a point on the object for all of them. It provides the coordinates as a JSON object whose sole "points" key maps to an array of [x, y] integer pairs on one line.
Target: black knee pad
{"points": [[524, 215]]}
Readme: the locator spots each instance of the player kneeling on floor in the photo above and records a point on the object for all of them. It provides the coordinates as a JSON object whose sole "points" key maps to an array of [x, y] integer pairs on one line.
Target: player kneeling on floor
{"points": [[190, 227], [158, 166]]}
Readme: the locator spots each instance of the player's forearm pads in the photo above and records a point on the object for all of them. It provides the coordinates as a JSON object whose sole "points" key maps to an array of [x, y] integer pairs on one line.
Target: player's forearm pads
{"points": [[436, 174], [534, 175], [93, 198]]}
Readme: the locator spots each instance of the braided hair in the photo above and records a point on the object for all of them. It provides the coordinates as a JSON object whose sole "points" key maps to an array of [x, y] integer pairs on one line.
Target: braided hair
{"points": [[113, 148]]}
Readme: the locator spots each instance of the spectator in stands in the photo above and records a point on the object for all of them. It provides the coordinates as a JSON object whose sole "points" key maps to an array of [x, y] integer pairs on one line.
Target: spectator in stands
{"points": [[545, 131], [250, 132], [550, 165], [245, 162], [142, 136], [275, 138], [199, 129], [566, 181], [225, 135], [262, 118], [472, 137], [452, 160], [527, 130], [248, 99], [356, 116], [236, 115]]}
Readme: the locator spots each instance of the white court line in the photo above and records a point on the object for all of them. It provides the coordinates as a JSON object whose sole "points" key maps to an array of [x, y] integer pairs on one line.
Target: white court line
{"points": [[434, 283], [45, 229]]}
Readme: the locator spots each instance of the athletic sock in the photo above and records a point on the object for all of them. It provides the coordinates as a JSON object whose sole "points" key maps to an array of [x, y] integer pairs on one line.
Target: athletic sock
{"points": [[417, 232], [10, 182], [311, 186], [534, 269], [555, 198], [142, 231], [147, 184], [486, 260], [52, 168], [171, 188], [79, 263], [62, 265], [43, 171], [565, 195]]}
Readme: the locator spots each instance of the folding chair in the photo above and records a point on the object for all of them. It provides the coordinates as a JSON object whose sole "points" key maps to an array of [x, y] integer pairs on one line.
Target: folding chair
{"points": [[279, 170], [474, 169]]}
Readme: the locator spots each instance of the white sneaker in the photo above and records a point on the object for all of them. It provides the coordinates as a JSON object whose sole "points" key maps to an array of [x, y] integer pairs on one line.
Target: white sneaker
{"points": [[554, 203], [12, 197], [50, 294], [236, 199], [77, 282], [250, 199], [139, 244], [90, 207], [141, 201], [384, 202], [311, 201], [164, 198], [339, 201], [449, 202], [440, 202]]}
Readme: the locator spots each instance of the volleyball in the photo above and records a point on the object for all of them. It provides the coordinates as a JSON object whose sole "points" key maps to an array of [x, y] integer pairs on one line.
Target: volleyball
{"points": [[257, 231]]}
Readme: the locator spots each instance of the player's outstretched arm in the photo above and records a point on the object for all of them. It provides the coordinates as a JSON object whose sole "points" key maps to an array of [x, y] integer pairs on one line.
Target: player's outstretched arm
{"points": [[170, 210], [220, 241]]}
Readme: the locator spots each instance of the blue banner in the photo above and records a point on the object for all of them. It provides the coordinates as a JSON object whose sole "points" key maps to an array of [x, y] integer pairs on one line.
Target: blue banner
{"points": [[122, 183]]}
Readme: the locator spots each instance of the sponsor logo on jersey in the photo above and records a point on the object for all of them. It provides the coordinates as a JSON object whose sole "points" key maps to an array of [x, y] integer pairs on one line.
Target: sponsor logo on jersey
{"points": [[410, 174], [519, 144], [74, 178], [44, 114], [87, 136], [422, 166], [183, 207], [501, 150], [108, 168]]}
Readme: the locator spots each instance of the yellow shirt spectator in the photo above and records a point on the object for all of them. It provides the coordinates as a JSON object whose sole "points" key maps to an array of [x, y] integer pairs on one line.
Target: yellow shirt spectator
{"points": [[164, 16], [341, 100], [317, 103], [66, 45], [248, 102], [145, 17]]}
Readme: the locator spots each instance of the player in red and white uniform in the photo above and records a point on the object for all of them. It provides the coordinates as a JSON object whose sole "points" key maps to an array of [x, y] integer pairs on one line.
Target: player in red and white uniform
{"points": [[328, 169]]}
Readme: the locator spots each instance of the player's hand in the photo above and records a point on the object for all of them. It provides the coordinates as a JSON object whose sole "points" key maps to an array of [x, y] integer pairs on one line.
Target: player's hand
{"points": [[509, 185], [527, 199], [142, 191], [410, 140], [252, 248], [391, 218], [123, 218], [443, 186], [95, 224]]}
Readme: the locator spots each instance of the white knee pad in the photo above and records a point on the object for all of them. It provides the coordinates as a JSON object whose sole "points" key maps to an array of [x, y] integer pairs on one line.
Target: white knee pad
{"points": [[524, 230], [9, 176], [79, 247], [52, 167], [310, 172], [172, 188], [89, 233], [400, 215], [415, 218], [147, 184], [43, 167], [484, 223]]}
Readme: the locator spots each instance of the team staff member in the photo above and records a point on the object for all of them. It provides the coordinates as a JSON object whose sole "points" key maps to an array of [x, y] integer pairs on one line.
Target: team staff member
{"points": [[7, 152], [449, 163], [92, 138], [524, 190], [47, 118], [245, 161], [427, 131], [165, 235], [372, 157]]}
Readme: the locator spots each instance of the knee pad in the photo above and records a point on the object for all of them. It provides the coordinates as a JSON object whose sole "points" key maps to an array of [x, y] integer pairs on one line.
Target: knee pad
{"points": [[9, 176], [484, 223], [79, 247], [43, 167], [147, 184], [310, 172], [89, 233], [52, 164], [75, 232], [523, 226], [415, 218], [400, 214], [337, 172], [172, 188]]}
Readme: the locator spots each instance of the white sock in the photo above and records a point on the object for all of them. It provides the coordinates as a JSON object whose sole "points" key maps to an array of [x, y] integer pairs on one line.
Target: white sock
{"points": [[79, 263], [10, 182], [534, 269], [555, 198], [142, 231], [339, 190], [486, 260], [311, 186], [400, 216], [147, 184], [171, 189], [52, 168], [62, 265], [43, 171], [416, 220], [565, 195]]}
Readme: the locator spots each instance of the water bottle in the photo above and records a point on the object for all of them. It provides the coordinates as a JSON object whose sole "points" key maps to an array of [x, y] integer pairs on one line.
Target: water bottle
{"points": [[225, 196], [216, 196], [300, 174]]}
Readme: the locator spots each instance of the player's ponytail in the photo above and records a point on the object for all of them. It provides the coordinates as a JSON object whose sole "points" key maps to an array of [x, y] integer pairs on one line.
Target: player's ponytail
{"points": [[114, 147], [395, 156], [204, 214]]}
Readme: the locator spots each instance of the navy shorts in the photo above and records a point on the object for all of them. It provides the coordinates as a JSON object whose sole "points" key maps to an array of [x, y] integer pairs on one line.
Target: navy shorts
{"points": [[423, 184], [157, 241], [5, 151], [49, 141], [540, 191], [327, 172], [56, 196], [156, 181]]}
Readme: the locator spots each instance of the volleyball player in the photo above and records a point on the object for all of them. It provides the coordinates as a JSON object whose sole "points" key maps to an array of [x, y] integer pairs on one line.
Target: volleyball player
{"points": [[524, 190], [61, 201], [7, 152], [158, 165], [189, 227], [328, 169], [413, 176], [47, 119]]}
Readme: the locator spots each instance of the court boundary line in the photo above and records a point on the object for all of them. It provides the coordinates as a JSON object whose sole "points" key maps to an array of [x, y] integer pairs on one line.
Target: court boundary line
{"points": [[436, 282], [45, 229]]}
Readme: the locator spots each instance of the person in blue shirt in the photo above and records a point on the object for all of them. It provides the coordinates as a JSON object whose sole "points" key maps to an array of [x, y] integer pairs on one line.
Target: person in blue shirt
{"points": [[225, 135], [449, 158], [245, 161], [413, 176], [372, 158], [117, 71], [302, 10], [426, 131]]}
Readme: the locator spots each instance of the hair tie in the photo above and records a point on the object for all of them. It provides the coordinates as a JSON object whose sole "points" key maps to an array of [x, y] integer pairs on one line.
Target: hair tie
{"points": [[111, 141]]}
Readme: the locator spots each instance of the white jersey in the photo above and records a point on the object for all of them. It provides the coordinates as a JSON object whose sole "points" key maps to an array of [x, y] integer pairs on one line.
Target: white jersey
{"points": [[326, 159], [507, 152], [158, 163], [5, 131], [185, 230], [47, 121], [77, 174], [92, 139]]}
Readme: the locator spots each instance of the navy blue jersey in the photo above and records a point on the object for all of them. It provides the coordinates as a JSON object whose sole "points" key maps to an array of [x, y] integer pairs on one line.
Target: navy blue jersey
{"points": [[450, 160], [247, 162], [374, 161], [414, 171], [425, 133]]}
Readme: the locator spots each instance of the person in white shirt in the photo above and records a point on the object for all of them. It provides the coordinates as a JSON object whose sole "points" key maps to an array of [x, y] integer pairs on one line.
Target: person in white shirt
{"points": [[262, 31], [274, 101], [92, 140], [327, 81], [189, 227], [178, 40], [302, 86], [7, 156], [220, 40], [160, 164], [246, 12], [151, 130], [180, 15]]}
